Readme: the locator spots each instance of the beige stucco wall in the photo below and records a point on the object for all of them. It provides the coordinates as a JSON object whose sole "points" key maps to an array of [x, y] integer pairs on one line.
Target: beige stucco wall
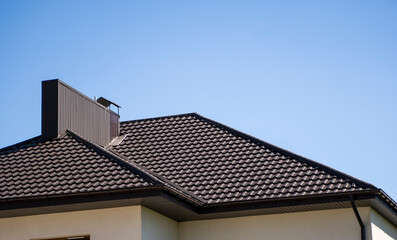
{"points": [[325, 225], [381, 228], [136, 223], [158, 227], [122, 223]]}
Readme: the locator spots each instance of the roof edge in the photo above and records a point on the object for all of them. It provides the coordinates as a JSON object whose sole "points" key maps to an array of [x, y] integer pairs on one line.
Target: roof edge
{"points": [[388, 200], [20, 143], [143, 192], [385, 209], [300, 199], [153, 118], [286, 152], [79, 194]]}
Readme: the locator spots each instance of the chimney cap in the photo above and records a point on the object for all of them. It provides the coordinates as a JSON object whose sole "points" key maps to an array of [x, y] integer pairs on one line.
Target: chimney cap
{"points": [[106, 102]]}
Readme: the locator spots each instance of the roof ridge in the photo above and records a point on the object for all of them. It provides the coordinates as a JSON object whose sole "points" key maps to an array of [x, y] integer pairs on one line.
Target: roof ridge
{"points": [[286, 152], [154, 118], [158, 176], [136, 168], [110, 155]]}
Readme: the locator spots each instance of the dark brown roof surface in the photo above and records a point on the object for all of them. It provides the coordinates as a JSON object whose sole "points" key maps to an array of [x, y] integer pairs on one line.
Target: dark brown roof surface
{"points": [[219, 164], [60, 166], [189, 155]]}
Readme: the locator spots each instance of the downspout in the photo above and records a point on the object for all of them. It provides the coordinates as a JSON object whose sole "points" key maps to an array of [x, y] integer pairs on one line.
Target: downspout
{"points": [[360, 221]]}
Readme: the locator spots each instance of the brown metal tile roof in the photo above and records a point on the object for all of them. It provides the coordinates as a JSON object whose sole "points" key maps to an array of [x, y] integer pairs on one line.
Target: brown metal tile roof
{"points": [[219, 164], [191, 157], [60, 166]]}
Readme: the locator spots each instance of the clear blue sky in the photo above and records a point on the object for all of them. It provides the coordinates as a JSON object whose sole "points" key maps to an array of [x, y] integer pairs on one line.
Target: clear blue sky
{"points": [[318, 78]]}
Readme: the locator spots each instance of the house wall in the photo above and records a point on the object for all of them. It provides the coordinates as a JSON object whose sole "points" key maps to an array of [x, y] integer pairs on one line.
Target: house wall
{"points": [[325, 225], [381, 228], [140, 223], [122, 223], [158, 227]]}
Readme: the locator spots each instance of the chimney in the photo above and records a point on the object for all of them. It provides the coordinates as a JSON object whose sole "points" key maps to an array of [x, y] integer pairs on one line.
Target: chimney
{"points": [[63, 108]]}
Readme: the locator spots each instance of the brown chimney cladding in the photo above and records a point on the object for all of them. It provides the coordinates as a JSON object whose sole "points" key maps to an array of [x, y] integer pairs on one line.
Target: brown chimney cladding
{"points": [[63, 108]]}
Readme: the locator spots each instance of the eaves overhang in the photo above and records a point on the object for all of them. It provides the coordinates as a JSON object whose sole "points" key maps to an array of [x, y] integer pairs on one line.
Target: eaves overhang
{"points": [[181, 208]]}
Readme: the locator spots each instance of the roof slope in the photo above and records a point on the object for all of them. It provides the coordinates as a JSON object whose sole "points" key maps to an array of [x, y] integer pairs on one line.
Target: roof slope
{"points": [[219, 164], [201, 163], [60, 166]]}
